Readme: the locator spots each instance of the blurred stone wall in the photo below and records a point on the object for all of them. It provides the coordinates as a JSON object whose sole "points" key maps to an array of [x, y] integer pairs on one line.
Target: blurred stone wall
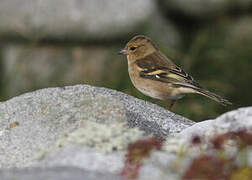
{"points": [[47, 43]]}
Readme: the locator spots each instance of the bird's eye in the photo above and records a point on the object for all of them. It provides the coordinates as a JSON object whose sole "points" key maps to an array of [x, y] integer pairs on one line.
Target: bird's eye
{"points": [[132, 48]]}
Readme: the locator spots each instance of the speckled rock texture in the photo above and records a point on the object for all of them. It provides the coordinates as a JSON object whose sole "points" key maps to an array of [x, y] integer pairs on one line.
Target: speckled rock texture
{"points": [[179, 150], [55, 173], [82, 157], [49, 119], [148, 116], [233, 121], [82, 132], [236, 120]]}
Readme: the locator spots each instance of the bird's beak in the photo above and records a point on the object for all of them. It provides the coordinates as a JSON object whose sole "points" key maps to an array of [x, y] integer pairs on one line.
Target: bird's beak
{"points": [[123, 51]]}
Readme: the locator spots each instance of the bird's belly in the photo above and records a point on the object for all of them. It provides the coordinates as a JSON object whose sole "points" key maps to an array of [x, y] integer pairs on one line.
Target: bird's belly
{"points": [[155, 89], [166, 93], [150, 92]]}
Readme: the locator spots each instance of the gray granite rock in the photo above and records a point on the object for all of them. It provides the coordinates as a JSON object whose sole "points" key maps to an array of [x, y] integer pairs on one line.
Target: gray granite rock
{"points": [[240, 119], [204, 9], [233, 121], [148, 116], [161, 166], [35, 121], [84, 158], [82, 131], [46, 115], [55, 173], [179, 151], [75, 20]]}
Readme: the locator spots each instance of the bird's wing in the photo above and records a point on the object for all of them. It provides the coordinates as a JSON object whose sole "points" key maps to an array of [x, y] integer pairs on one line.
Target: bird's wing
{"points": [[159, 68]]}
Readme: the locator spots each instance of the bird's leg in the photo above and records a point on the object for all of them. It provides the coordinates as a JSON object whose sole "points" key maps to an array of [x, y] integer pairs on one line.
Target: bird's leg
{"points": [[172, 103]]}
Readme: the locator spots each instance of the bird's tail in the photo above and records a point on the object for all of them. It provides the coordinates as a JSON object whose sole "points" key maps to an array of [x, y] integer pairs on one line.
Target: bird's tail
{"points": [[213, 96]]}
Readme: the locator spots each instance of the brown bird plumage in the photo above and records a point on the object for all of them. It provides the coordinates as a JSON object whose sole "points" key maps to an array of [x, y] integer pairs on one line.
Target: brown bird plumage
{"points": [[152, 73]]}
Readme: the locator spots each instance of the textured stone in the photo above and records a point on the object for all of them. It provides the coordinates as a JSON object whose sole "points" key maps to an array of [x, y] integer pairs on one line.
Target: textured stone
{"points": [[35, 121], [55, 173], [160, 166], [46, 115], [240, 119], [103, 137], [82, 157], [180, 151], [147, 116], [236, 120], [79, 152]]}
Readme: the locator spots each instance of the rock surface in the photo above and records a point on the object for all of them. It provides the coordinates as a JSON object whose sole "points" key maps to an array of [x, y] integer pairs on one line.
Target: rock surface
{"points": [[204, 9], [179, 150], [237, 120], [35, 121], [84, 131], [80, 156], [55, 173], [233, 121], [75, 20]]}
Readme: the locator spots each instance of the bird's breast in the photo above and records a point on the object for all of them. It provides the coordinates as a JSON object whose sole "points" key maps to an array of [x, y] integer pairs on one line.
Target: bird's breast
{"points": [[152, 88]]}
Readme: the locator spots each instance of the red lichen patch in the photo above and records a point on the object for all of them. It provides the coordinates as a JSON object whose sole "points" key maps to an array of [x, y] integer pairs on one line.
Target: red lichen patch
{"points": [[245, 137], [208, 168], [136, 153], [242, 137], [219, 140], [196, 140], [219, 165], [14, 124]]}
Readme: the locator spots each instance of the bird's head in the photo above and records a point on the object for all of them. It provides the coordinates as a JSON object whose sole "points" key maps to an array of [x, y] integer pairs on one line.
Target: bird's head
{"points": [[138, 47]]}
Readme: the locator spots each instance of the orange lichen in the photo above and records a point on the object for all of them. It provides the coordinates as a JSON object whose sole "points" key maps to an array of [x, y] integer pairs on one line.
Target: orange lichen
{"points": [[14, 124], [242, 137]]}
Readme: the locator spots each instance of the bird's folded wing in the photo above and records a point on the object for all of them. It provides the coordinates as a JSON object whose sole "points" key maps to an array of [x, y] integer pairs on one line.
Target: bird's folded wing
{"points": [[173, 76]]}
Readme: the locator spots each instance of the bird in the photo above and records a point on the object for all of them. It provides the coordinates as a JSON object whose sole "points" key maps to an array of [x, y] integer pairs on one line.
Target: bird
{"points": [[156, 76]]}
